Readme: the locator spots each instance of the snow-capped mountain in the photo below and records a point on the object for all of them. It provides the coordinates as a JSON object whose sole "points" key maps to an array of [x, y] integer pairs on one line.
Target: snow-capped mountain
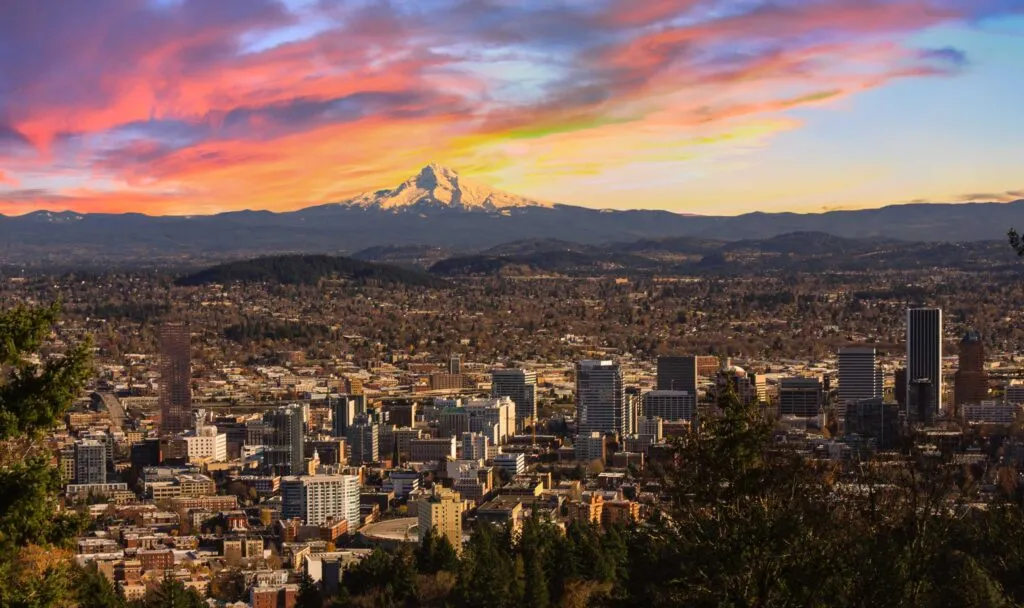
{"points": [[436, 187]]}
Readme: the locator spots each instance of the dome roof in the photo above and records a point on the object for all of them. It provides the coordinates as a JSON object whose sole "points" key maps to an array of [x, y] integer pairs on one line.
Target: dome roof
{"points": [[736, 370]]}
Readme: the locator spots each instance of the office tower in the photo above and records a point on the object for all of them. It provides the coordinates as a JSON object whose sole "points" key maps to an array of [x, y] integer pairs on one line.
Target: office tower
{"points": [[343, 412], [970, 384], [800, 397], [749, 388], [900, 387], [600, 400], [924, 358], [677, 374], [442, 514], [872, 418], [921, 401], [474, 446], [860, 376], [175, 378], [90, 461], [285, 440], [314, 499], [363, 439], [455, 364], [634, 404], [520, 386], [590, 447], [670, 405]]}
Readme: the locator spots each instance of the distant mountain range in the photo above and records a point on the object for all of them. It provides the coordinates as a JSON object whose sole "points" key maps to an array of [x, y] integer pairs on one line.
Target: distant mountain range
{"points": [[444, 213]]}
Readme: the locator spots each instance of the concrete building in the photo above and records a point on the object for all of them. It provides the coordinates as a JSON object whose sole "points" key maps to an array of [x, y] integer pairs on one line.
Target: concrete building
{"points": [[514, 464], [475, 446], [677, 374], [316, 498], [600, 399], [590, 447], [520, 386], [402, 483], [175, 378], [924, 362], [205, 443], [860, 376], [442, 513], [749, 387], [670, 405], [90, 462], [433, 450], [801, 397], [988, 412]]}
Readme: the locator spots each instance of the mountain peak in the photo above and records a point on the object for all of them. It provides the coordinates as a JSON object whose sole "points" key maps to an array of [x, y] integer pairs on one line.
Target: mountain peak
{"points": [[439, 187]]}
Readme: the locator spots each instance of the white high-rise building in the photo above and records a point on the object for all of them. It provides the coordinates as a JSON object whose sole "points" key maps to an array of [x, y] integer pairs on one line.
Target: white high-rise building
{"points": [[924, 361], [600, 399], [315, 498], [205, 443], [860, 376], [520, 386]]}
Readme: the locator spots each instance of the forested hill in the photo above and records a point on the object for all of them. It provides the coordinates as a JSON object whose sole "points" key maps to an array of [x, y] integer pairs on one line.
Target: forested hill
{"points": [[307, 270]]}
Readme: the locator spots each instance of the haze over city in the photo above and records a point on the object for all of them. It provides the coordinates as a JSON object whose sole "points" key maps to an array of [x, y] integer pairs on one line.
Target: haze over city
{"points": [[711, 107]]}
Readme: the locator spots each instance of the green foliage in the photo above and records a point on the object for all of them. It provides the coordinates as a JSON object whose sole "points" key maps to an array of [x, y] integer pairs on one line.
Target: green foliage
{"points": [[34, 563], [94, 590], [390, 578], [34, 397], [436, 554], [172, 593], [309, 595]]}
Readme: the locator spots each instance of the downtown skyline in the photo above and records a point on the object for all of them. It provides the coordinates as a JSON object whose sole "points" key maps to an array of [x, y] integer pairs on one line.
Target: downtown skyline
{"points": [[188, 107]]}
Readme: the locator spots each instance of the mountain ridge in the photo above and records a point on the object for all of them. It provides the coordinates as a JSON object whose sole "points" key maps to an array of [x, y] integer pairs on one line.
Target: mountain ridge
{"points": [[437, 208]]}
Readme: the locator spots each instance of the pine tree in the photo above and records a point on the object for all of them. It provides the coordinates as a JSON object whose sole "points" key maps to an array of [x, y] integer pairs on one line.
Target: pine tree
{"points": [[34, 535], [94, 590], [309, 595], [172, 593]]}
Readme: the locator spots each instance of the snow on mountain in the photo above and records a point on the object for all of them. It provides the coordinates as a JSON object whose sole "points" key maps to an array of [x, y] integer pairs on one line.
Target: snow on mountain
{"points": [[439, 187]]}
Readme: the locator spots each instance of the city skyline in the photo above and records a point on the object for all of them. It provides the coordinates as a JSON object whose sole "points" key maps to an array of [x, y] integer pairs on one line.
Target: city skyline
{"points": [[181, 107]]}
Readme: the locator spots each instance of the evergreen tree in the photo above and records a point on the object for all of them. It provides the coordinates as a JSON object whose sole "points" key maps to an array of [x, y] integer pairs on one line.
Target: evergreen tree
{"points": [[34, 534], [94, 590], [172, 593], [309, 595]]}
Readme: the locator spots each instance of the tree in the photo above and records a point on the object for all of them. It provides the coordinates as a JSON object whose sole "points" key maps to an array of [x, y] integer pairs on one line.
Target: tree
{"points": [[435, 554], [309, 595], [34, 534], [172, 593], [94, 590]]}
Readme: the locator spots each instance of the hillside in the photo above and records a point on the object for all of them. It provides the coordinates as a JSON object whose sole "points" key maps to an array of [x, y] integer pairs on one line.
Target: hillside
{"points": [[307, 270]]}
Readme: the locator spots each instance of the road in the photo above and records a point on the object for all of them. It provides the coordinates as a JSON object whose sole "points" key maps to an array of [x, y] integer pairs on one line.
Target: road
{"points": [[117, 415]]}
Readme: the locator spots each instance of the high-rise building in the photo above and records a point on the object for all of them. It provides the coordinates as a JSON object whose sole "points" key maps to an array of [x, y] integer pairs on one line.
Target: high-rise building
{"points": [[860, 376], [442, 513], [520, 386], [677, 374], [175, 378], [90, 461], [285, 440], [924, 360], [475, 446], [344, 409], [800, 397], [205, 443], [455, 364], [670, 405], [970, 384], [600, 399], [315, 498], [749, 388], [363, 439]]}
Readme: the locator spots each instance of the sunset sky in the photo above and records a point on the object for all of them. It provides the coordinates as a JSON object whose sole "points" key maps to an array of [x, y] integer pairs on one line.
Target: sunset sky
{"points": [[695, 106]]}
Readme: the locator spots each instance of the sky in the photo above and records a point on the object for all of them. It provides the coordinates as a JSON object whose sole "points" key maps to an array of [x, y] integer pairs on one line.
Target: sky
{"points": [[695, 106]]}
